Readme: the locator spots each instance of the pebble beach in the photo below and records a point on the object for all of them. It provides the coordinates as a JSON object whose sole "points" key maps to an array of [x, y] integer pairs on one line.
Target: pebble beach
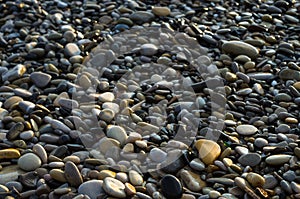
{"points": [[101, 99]]}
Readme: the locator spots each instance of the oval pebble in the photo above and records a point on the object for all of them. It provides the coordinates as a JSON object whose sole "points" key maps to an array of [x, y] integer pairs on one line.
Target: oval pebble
{"points": [[29, 162], [114, 187]]}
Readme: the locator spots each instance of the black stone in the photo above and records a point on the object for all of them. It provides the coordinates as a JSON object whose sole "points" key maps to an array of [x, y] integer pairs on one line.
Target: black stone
{"points": [[171, 187]]}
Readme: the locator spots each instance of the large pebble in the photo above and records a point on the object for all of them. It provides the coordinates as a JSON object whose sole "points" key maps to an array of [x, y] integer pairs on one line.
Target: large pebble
{"points": [[9, 153], [240, 48], [92, 188], [255, 179], [278, 159], [14, 73], [72, 174], [118, 133], [208, 150], [71, 49], [148, 49], [41, 152], [161, 11], [171, 187], [157, 155], [192, 180], [246, 129], [141, 17], [114, 187], [29, 162], [135, 178], [40, 79]]}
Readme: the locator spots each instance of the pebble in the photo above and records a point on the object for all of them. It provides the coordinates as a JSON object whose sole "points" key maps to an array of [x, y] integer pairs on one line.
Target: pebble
{"points": [[118, 133], [270, 181], [197, 164], [161, 11], [250, 159], [41, 152], [148, 49], [289, 176], [240, 48], [106, 97], [68, 104], [29, 162], [114, 187], [192, 180], [135, 178], [141, 17], [72, 174], [71, 49], [92, 188], [278, 159], [260, 142], [208, 150], [246, 129], [157, 155], [171, 187], [26, 106], [14, 73], [9, 153], [255, 179], [10, 102], [40, 79]]}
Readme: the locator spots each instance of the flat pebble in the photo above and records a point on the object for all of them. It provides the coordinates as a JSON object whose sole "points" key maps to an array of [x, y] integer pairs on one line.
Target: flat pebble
{"points": [[250, 159], [72, 174], [171, 187]]}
